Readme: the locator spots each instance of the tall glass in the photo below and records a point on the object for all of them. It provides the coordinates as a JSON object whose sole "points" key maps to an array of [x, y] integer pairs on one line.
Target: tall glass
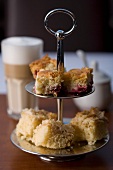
{"points": [[17, 54]]}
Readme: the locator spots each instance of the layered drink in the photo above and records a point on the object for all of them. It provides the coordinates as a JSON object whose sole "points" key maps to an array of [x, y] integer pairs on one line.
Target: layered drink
{"points": [[17, 53]]}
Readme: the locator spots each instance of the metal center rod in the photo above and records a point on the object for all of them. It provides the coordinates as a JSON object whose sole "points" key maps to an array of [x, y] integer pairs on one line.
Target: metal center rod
{"points": [[60, 67], [60, 109], [60, 55]]}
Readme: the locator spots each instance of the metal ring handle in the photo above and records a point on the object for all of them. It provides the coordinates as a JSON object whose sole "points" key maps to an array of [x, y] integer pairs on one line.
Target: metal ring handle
{"points": [[62, 11]]}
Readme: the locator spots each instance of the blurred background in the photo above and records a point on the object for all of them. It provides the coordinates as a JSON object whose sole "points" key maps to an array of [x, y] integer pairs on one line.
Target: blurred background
{"points": [[94, 30]]}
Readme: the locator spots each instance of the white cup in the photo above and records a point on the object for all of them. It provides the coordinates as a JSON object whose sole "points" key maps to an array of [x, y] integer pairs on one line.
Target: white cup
{"points": [[17, 54]]}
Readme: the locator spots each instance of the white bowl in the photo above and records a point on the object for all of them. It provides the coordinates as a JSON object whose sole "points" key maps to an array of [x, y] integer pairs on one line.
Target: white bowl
{"points": [[100, 98]]}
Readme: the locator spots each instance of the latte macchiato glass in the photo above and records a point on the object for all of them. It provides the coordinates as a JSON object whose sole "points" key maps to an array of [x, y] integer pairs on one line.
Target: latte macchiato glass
{"points": [[17, 54]]}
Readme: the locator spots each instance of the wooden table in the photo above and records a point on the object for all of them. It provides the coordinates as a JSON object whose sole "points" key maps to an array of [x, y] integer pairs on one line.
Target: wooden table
{"points": [[11, 158]]}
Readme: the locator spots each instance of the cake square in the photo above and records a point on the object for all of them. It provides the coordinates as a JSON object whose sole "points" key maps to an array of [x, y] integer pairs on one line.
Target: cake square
{"points": [[90, 125], [48, 82], [53, 134], [78, 80], [29, 120], [44, 63]]}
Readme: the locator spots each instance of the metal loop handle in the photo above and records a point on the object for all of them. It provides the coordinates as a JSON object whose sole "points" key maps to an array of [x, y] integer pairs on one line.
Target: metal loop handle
{"points": [[61, 33]]}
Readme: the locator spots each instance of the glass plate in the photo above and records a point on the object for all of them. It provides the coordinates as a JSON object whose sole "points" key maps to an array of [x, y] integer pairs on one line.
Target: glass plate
{"points": [[79, 150], [29, 88]]}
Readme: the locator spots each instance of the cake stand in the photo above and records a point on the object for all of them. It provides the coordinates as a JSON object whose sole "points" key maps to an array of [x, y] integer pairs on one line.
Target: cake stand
{"points": [[80, 149]]}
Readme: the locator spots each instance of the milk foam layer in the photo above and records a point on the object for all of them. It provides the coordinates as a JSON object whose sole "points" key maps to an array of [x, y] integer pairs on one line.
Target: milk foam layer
{"points": [[21, 50]]}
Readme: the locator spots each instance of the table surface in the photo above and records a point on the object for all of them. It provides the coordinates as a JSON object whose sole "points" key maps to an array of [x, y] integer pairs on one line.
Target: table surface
{"points": [[12, 158]]}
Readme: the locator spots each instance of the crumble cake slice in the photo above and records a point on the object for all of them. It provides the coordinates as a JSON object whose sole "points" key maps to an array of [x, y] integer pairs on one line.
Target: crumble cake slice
{"points": [[53, 134], [44, 63], [78, 80], [90, 125], [29, 120], [48, 82]]}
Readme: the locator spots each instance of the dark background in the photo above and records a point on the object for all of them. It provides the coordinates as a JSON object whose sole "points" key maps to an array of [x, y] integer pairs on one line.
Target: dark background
{"points": [[94, 30]]}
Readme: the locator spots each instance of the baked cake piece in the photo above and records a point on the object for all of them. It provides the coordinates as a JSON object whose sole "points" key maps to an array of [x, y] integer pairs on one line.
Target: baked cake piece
{"points": [[53, 134], [78, 80], [45, 63], [48, 82], [90, 125], [29, 120]]}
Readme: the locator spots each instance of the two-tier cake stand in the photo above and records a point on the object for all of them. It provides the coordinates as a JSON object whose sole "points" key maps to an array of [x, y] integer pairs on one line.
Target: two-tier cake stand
{"points": [[60, 154]]}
